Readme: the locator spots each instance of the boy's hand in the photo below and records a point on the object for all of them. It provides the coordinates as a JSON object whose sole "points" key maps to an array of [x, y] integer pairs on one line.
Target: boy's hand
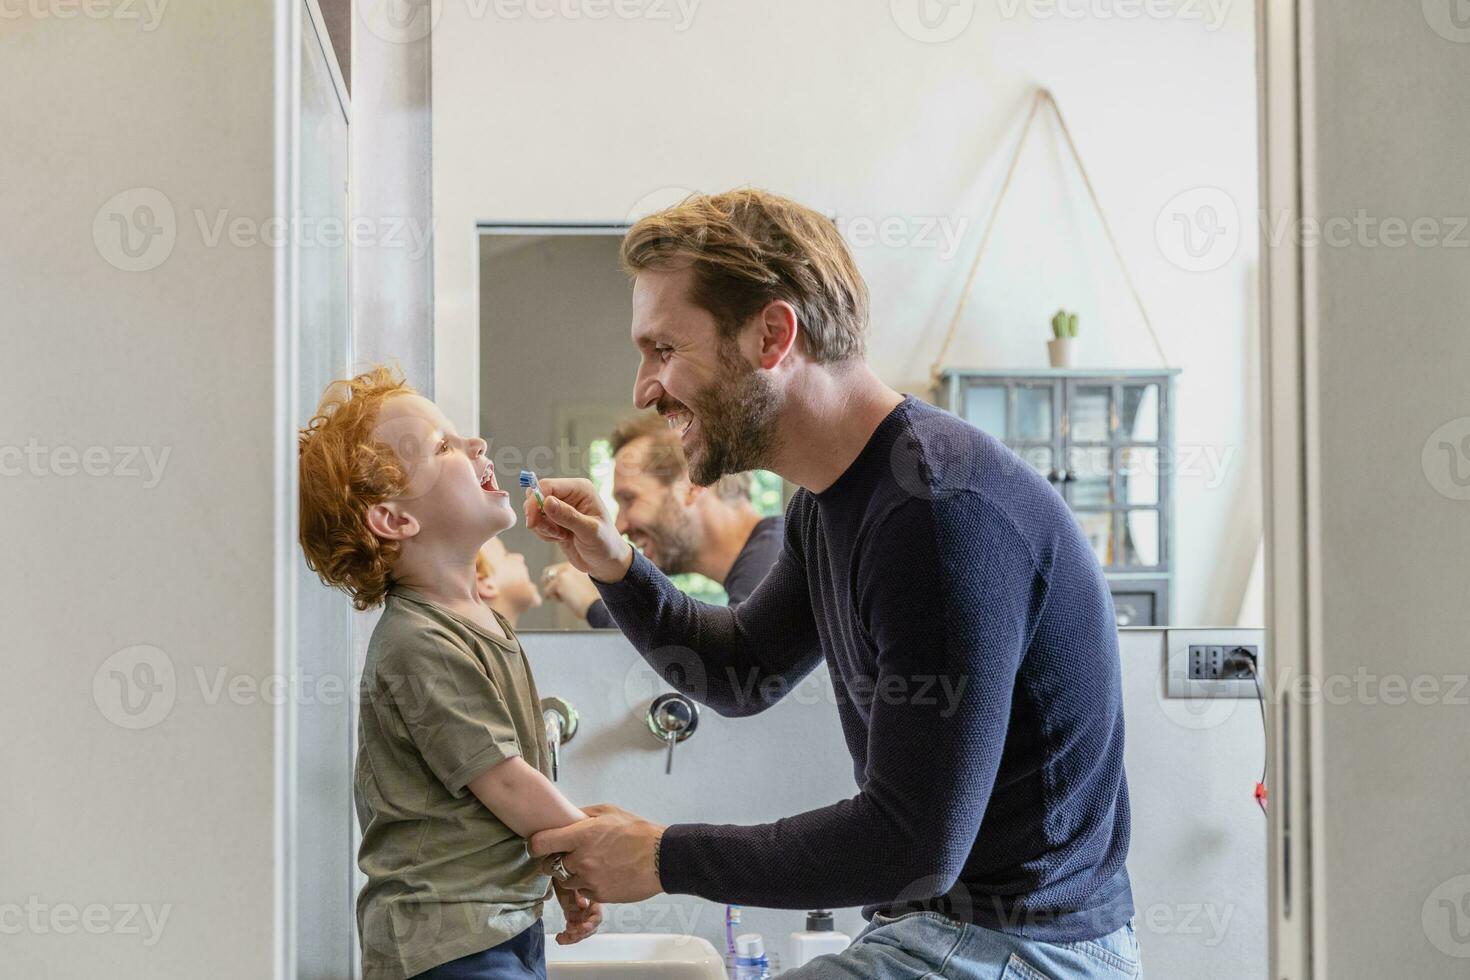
{"points": [[572, 586], [583, 914], [576, 519]]}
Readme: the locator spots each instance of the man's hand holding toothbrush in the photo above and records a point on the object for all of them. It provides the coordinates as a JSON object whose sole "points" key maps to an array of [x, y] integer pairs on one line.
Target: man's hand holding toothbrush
{"points": [[575, 517]]}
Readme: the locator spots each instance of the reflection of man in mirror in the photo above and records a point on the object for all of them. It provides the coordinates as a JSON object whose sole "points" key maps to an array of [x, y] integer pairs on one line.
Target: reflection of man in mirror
{"points": [[679, 526]]}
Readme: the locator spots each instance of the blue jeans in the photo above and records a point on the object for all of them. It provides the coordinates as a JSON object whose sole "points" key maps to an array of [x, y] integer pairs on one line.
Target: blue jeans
{"points": [[924, 945], [520, 958]]}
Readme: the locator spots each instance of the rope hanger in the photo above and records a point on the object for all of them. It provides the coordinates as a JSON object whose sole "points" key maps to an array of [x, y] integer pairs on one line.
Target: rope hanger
{"points": [[1043, 98]]}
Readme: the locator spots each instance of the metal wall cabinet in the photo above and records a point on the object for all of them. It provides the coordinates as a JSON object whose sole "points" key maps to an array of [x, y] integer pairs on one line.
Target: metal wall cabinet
{"points": [[1105, 440]]}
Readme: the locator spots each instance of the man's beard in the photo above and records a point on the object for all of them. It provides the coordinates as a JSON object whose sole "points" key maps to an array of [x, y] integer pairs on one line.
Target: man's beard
{"points": [[737, 421], [674, 537]]}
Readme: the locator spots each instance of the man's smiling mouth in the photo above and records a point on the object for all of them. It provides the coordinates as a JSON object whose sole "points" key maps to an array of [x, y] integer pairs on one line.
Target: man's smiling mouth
{"points": [[680, 422]]}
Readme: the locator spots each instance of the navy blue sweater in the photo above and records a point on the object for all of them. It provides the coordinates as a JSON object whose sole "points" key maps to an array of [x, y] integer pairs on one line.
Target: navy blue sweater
{"points": [[970, 637]]}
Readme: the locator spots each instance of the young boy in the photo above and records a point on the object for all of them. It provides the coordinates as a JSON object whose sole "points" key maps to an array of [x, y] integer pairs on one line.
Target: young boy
{"points": [[452, 755]]}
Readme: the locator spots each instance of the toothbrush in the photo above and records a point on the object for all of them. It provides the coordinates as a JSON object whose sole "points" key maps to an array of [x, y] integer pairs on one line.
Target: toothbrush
{"points": [[529, 481], [732, 919]]}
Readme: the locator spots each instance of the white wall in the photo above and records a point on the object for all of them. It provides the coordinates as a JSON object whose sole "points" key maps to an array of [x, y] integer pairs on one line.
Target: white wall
{"points": [[1198, 853], [104, 824], [393, 280], [568, 118]]}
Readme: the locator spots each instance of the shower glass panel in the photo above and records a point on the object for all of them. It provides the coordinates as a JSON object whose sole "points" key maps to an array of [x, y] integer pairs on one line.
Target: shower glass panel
{"points": [[322, 682]]}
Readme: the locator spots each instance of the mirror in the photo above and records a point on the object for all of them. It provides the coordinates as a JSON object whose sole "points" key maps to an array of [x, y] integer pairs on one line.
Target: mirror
{"points": [[565, 429]]}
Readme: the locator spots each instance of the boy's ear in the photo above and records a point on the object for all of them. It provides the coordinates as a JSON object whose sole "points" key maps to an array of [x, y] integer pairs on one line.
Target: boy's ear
{"points": [[390, 522], [488, 590]]}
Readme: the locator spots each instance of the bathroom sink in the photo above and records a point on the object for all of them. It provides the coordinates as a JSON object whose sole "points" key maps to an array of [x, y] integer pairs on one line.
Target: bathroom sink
{"points": [[634, 956]]}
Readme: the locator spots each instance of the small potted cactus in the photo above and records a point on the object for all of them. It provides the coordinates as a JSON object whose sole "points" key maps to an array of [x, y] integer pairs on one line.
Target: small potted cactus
{"points": [[1059, 348]]}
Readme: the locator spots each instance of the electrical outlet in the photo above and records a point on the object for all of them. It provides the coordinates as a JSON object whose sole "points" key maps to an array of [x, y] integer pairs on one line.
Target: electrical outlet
{"points": [[1210, 662], [1204, 662], [1240, 663], [1214, 662]]}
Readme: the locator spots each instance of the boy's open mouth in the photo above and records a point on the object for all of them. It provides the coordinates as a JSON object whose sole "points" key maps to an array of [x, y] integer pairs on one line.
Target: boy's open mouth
{"points": [[487, 482]]}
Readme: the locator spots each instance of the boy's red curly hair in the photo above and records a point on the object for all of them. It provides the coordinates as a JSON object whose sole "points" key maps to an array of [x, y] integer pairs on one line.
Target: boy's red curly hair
{"points": [[344, 472]]}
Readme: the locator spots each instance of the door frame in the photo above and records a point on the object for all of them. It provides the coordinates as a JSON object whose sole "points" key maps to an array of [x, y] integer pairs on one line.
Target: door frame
{"points": [[1289, 331]]}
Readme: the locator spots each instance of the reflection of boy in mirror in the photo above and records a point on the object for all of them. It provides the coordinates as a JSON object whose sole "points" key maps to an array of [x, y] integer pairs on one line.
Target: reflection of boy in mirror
{"points": [[503, 581], [679, 526]]}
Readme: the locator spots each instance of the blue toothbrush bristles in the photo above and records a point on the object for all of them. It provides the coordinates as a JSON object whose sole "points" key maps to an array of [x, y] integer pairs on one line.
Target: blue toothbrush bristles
{"points": [[529, 481]]}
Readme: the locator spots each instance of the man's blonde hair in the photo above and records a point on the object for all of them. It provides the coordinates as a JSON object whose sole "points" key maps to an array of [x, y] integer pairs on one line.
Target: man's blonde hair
{"points": [[749, 247]]}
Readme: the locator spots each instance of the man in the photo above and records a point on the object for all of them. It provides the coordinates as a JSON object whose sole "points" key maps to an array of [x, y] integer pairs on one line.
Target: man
{"points": [[502, 580], [678, 526], [965, 622]]}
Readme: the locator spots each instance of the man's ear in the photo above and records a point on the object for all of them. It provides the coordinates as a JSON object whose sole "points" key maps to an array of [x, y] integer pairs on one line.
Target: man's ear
{"points": [[390, 522], [779, 326]]}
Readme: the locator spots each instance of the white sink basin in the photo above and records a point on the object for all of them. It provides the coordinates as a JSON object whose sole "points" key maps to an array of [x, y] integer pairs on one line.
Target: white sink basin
{"points": [[634, 956]]}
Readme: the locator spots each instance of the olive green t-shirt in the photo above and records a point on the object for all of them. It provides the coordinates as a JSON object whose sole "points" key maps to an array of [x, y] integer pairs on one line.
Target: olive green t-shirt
{"points": [[442, 702]]}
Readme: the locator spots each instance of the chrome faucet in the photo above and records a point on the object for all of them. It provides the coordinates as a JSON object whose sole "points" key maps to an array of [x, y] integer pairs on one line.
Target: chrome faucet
{"points": [[560, 719], [672, 718]]}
